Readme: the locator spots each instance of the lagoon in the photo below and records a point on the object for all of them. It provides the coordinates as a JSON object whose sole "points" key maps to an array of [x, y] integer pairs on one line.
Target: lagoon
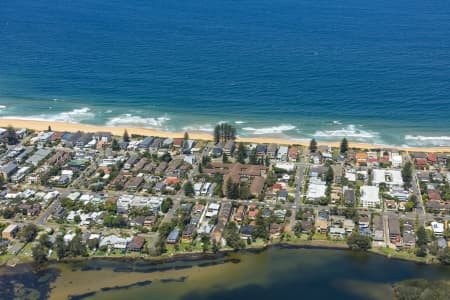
{"points": [[304, 273]]}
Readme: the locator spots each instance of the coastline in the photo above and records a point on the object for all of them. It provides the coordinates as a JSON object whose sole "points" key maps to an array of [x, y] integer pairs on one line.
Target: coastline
{"points": [[118, 131]]}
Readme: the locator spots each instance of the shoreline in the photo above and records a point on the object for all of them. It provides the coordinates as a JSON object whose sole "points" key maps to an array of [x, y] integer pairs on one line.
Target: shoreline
{"points": [[118, 131], [223, 253]]}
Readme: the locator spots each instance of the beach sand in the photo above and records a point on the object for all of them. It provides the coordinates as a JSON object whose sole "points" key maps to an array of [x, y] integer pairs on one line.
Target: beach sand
{"points": [[118, 131]]}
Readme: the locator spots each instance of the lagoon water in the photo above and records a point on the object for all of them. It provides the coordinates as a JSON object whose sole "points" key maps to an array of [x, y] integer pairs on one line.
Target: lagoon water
{"points": [[295, 273], [373, 71]]}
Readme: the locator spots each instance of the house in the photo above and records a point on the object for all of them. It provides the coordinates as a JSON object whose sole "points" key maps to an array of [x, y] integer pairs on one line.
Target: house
{"points": [[9, 233], [282, 153], [9, 169], [349, 225], [134, 183], [293, 154], [173, 237], [378, 229], [361, 158], [438, 228], [103, 136], [246, 231], [136, 244], [131, 161], [261, 150], [38, 156], [145, 143], [188, 233], [316, 190], [349, 196], [370, 196], [150, 221], [275, 230], [222, 220], [394, 229], [239, 214], [283, 195], [272, 151], [257, 186], [228, 148], [421, 163], [337, 232], [409, 240]]}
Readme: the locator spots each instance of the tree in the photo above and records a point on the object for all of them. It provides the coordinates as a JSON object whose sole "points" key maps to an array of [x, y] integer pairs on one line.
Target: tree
{"points": [[329, 175], [241, 153], [186, 140], [313, 145], [344, 146], [224, 132], [444, 256], [115, 145], [253, 158], [44, 240], [188, 189], [407, 174], [206, 243], [231, 235], [60, 247], [76, 247], [49, 129], [39, 254], [224, 158], [93, 244], [77, 219], [28, 233], [359, 242], [126, 137], [11, 136], [422, 239], [166, 204]]}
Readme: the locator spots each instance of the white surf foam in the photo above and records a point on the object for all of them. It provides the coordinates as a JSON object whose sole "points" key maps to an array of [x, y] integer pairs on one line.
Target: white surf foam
{"points": [[269, 130], [350, 131], [239, 122], [203, 128], [73, 116], [428, 140], [137, 121]]}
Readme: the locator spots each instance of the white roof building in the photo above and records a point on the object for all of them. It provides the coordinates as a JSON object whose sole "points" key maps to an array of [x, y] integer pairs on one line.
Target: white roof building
{"points": [[316, 190], [438, 228], [388, 177], [369, 196]]}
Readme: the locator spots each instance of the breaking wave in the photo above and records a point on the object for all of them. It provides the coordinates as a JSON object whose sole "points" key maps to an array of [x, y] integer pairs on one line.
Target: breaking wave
{"points": [[137, 121], [269, 130], [350, 131], [73, 116], [204, 128], [428, 140]]}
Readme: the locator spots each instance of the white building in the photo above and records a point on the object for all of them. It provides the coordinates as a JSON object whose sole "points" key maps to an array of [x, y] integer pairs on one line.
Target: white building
{"points": [[316, 190], [396, 160], [282, 153], [370, 196], [438, 228], [388, 177]]}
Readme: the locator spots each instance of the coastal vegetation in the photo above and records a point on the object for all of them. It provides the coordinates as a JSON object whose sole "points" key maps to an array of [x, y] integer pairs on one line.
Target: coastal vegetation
{"points": [[224, 132]]}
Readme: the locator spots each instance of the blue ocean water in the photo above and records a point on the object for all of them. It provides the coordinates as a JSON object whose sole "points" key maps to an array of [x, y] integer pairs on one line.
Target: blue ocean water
{"points": [[374, 71]]}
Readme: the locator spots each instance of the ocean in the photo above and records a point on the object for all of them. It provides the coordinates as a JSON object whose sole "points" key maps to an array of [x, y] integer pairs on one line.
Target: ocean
{"points": [[371, 71]]}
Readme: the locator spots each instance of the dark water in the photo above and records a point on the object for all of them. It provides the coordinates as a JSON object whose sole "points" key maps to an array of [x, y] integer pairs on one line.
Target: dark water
{"points": [[294, 273], [374, 71]]}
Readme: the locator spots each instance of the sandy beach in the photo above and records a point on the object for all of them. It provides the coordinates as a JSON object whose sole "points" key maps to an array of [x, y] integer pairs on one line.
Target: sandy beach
{"points": [[118, 131]]}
